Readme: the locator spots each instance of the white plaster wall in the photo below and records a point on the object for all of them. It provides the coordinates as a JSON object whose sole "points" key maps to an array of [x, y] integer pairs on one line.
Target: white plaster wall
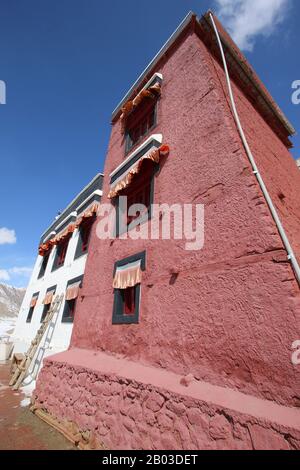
{"points": [[25, 332]]}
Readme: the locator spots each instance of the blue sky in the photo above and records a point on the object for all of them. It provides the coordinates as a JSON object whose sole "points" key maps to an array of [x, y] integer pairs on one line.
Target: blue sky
{"points": [[66, 65]]}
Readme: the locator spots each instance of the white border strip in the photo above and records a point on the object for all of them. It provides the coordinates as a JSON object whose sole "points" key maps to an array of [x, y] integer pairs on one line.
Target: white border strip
{"points": [[154, 61], [155, 137]]}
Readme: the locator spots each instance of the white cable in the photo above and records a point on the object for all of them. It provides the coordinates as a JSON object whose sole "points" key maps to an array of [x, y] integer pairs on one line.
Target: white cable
{"points": [[291, 255]]}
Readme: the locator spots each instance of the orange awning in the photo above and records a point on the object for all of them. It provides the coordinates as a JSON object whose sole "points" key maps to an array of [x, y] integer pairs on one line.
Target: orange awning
{"points": [[151, 92], [73, 291], [128, 276], [33, 302], [90, 212], [45, 247], [48, 297], [153, 156]]}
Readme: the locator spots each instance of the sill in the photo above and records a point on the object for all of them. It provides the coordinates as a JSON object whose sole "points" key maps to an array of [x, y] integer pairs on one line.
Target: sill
{"points": [[80, 255], [55, 268], [67, 320], [125, 320]]}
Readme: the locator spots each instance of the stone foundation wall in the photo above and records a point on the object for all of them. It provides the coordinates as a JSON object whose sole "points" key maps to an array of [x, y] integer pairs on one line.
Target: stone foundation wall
{"points": [[121, 413]]}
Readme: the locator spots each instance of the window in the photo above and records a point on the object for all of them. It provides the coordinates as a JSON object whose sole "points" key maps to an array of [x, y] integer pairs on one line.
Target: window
{"points": [[139, 123], [44, 265], [45, 311], [32, 307], [71, 296], [61, 251], [84, 236], [127, 289], [140, 191], [48, 301], [69, 311]]}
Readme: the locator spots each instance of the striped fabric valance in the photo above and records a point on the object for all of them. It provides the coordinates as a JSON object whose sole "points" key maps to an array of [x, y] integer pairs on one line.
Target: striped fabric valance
{"points": [[151, 92], [73, 291], [33, 301], [46, 247], [49, 297], [153, 156], [128, 275]]}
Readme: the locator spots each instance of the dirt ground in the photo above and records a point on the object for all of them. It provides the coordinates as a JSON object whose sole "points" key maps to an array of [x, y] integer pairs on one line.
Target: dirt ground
{"points": [[19, 428]]}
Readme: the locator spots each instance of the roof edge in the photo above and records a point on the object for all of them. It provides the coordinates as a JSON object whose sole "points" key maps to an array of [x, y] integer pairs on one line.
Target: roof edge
{"points": [[245, 66], [185, 22], [72, 202]]}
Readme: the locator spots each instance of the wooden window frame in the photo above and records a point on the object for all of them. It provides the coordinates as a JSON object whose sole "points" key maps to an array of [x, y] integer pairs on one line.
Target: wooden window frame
{"points": [[44, 265], [31, 309], [66, 318], [135, 121], [63, 245], [118, 316], [143, 217], [47, 307], [79, 249]]}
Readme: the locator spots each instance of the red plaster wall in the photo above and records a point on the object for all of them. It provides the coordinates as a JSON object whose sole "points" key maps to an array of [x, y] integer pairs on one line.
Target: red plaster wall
{"points": [[233, 312], [276, 164]]}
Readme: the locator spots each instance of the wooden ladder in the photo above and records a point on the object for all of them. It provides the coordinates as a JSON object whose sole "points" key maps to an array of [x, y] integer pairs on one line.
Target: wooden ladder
{"points": [[20, 373]]}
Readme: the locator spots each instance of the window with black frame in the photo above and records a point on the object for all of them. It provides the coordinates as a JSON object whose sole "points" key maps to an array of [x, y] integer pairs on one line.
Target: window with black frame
{"points": [[84, 236], [140, 122], [72, 293], [139, 192], [127, 289], [61, 253], [48, 301], [44, 264], [32, 307]]}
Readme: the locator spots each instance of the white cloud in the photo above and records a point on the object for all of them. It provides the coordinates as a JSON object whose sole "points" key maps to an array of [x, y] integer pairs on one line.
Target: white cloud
{"points": [[247, 19], [21, 271], [4, 276], [7, 236], [16, 274]]}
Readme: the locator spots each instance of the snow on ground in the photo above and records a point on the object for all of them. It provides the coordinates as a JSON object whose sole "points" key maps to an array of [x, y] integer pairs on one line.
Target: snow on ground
{"points": [[28, 389], [25, 402], [7, 325]]}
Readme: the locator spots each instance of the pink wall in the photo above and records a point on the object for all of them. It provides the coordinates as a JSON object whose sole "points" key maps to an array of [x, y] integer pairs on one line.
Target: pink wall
{"points": [[123, 405], [231, 316]]}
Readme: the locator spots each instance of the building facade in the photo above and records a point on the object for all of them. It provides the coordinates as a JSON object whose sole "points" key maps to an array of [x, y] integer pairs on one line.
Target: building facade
{"points": [[59, 269], [175, 348]]}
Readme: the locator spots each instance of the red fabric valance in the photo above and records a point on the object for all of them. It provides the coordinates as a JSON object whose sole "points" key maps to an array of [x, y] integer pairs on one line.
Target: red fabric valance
{"points": [[151, 92], [33, 302], [48, 297], [90, 212], [46, 247], [154, 156]]}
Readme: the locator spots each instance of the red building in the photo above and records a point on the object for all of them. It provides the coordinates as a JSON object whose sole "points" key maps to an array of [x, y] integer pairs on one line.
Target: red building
{"points": [[174, 348]]}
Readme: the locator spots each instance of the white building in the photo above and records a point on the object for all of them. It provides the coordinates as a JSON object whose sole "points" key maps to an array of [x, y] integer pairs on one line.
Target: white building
{"points": [[59, 268], [298, 163]]}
